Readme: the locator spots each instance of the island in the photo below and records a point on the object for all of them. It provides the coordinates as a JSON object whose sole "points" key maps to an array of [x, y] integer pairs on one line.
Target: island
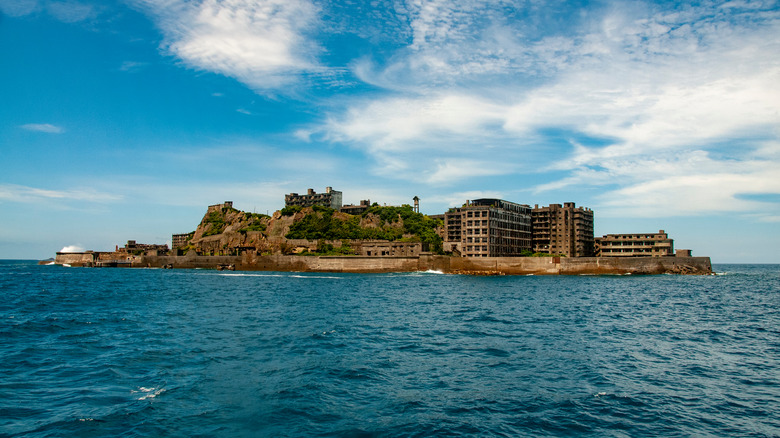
{"points": [[316, 233]]}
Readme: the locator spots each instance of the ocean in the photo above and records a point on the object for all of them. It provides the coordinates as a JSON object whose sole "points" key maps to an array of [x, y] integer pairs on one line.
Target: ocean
{"points": [[197, 353]]}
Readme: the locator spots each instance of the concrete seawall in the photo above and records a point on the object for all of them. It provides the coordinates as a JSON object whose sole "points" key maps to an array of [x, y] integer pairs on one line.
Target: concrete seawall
{"points": [[452, 265]]}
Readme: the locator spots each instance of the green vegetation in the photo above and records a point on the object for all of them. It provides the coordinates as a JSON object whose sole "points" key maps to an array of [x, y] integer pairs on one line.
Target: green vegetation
{"points": [[215, 222], [324, 225], [256, 223], [326, 249], [290, 210]]}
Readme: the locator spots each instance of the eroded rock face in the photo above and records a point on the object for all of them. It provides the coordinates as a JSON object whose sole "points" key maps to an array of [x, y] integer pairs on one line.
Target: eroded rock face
{"points": [[224, 230]]}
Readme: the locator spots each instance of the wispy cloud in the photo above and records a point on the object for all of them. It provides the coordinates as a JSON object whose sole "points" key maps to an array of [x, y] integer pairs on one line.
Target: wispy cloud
{"points": [[70, 11], [44, 127], [132, 66], [19, 193], [260, 43], [17, 8], [681, 96], [67, 11]]}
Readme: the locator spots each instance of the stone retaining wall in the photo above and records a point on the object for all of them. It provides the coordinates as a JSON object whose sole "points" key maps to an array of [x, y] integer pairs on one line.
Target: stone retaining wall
{"points": [[490, 265]]}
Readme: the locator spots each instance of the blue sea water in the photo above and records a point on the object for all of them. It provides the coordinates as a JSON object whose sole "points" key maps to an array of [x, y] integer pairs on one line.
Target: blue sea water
{"points": [[143, 352]]}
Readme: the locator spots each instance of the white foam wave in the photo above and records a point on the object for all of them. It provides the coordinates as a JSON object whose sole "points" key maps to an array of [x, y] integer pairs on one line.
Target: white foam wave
{"points": [[312, 276], [431, 271], [250, 275], [149, 393]]}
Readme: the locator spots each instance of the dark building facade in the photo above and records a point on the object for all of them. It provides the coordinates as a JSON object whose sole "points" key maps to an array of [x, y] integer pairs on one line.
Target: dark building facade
{"points": [[331, 198], [488, 228], [563, 229]]}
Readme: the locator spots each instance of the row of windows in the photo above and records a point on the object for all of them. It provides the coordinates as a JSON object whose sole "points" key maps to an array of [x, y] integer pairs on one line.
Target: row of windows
{"points": [[641, 243]]}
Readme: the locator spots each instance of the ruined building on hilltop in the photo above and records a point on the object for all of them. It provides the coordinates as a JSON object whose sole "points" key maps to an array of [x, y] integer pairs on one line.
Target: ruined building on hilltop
{"points": [[331, 198]]}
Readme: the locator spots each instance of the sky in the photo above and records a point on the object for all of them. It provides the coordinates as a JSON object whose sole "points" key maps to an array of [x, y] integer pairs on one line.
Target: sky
{"points": [[124, 120]]}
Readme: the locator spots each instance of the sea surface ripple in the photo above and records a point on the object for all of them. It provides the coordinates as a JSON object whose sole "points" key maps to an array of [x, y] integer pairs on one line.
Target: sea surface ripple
{"points": [[144, 352]]}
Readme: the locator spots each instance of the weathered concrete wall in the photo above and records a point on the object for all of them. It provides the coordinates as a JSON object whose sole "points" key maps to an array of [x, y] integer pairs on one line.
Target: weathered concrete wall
{"points": [[455, 265], [74, 258], [252, 262]]}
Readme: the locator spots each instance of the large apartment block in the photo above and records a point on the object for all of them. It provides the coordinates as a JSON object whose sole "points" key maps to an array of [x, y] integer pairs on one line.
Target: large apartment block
{"points": [[331, 198], [635, 245], [488, 228], [563, 229]]}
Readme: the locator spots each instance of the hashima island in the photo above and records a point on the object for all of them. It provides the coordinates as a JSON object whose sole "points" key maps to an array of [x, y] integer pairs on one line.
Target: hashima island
{"points": [[315, 232]]}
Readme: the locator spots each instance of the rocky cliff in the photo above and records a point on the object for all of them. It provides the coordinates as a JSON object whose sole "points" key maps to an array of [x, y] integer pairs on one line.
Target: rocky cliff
{"points": [[226, 230]]}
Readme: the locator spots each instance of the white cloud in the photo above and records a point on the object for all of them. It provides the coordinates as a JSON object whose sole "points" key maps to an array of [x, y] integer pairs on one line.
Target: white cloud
{"points": [[687, 183], [262, 43], [459, 198], [404, 123], [681, 98], [454, 169], [44, 127], [18, 193]]}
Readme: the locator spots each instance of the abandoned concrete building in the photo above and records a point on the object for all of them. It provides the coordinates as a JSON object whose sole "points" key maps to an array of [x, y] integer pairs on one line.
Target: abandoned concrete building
{"points": [[181, 240], [331, 198], [225, 205], [133, 246], [636, 245], [384, 248], [566, 230], [356, 209], [488, 228]]}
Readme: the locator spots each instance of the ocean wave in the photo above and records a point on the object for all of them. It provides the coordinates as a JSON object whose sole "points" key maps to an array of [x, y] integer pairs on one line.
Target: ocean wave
{"points": [[148, 393]]}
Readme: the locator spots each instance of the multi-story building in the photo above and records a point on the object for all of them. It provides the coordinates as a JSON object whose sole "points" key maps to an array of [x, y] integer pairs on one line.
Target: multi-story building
{"points": [[566, 230], [181, 240], [488, 228], [331, 198], [635, 245]]}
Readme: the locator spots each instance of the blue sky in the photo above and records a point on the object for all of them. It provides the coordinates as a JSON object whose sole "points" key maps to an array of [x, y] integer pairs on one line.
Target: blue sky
{"points": [[124, 120]]}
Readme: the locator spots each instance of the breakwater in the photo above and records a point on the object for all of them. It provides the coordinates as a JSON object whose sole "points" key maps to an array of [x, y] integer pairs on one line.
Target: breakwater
{"points": [[445, 264]]}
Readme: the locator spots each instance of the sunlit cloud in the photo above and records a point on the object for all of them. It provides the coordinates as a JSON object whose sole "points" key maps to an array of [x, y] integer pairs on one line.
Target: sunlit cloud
{"points": [[260, 43], [683, 98]]}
